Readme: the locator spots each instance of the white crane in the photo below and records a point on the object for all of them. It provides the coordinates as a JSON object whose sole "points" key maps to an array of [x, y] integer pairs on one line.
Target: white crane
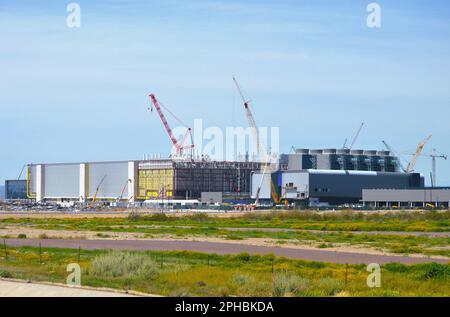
{"points": [[434, 155], [354, 138], [264, 158]]}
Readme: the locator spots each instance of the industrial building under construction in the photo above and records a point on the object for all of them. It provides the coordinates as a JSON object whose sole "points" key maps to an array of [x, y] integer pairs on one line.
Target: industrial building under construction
{"points": [[332, 176], [139, 180]]}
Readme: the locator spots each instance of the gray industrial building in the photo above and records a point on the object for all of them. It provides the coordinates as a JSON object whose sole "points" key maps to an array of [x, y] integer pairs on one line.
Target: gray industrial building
{"points": [[15, 189], [423, 197], [334, 187], [341, 159]]}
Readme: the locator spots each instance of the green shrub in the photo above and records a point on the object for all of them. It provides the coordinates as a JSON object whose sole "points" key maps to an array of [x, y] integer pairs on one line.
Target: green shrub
{"points": [[124, 264], [5, 274], [134, 216], [245, 257], [330, 286], [22, 236], [242, 279], [288, 284], [396, 267], [435, 271]]}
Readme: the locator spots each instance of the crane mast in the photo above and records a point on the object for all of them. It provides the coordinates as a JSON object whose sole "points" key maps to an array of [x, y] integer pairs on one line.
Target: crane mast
{"points": [[435, 155]]}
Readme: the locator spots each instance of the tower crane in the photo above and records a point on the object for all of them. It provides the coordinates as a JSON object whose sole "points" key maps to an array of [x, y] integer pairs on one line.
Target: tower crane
{"points": [[264, 158], [435, 155], [180, 146], [416, 155]]}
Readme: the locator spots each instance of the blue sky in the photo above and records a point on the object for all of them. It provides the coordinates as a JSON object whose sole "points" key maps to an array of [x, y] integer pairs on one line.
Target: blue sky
{"points": [[312, 68]]}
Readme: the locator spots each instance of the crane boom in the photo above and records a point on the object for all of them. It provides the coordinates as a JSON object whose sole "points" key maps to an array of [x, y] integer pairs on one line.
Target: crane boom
{"points": [[390, 149], [94, 198], [163, 119], [179, 145], [123, 190], [251, 123], [420, 147], [263, 156], [356, 136]]}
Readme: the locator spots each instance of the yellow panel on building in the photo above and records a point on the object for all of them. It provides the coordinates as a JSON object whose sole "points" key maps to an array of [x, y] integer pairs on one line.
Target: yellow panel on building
{"points": [[155, 183]]}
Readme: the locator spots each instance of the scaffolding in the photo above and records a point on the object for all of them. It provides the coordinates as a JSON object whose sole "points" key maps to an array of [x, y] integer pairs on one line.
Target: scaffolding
{"points": [[188, 179]]}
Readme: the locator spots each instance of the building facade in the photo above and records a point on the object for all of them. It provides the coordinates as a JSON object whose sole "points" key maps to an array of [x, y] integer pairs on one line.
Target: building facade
{"points": [[423, 197], [138, 180], [15, 189], [329, 186]]}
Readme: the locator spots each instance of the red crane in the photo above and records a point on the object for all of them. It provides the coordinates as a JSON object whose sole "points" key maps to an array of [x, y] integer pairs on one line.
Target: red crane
{"points": [[179, 144]]}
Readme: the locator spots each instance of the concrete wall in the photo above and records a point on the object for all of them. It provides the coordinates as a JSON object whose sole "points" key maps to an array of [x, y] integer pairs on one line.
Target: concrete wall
{"points": [[211, 197], [428, 195]]}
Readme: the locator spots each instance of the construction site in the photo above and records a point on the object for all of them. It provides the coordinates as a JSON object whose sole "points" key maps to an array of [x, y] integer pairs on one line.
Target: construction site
{"points": [[304, 177]]}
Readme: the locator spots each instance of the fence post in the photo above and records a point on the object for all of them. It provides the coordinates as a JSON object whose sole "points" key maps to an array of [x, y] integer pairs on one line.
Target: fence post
{"points": [[40, 253], [346, 274], [6, 251], [79, 254]]}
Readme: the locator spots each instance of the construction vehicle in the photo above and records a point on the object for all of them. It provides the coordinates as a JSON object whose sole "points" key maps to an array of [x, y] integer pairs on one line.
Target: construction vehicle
{"points": [[180, 145], [94, 198], [264, 158], [412, 163], [354, 138], [123, 190]]}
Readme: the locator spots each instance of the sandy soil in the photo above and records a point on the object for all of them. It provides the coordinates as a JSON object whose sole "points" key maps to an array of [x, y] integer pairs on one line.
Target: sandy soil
{"points": [[18, 288]]}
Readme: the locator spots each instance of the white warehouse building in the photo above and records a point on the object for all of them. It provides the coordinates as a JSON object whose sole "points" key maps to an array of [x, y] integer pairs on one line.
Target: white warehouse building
{"points": [[81, 181]]}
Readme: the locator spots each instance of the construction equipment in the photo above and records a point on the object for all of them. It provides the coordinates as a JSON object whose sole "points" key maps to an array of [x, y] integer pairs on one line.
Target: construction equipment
{"points": [[264, 158], [416, 155], [276, 198], [354, 138], [94, 198], [435, 155], [390, 149], [251, 122], [123, 190], [180, 146]]}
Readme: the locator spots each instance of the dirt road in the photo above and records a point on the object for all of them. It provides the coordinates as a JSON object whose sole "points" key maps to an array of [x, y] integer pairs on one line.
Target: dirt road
{"points": [[24, 289], [223, 248]]}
